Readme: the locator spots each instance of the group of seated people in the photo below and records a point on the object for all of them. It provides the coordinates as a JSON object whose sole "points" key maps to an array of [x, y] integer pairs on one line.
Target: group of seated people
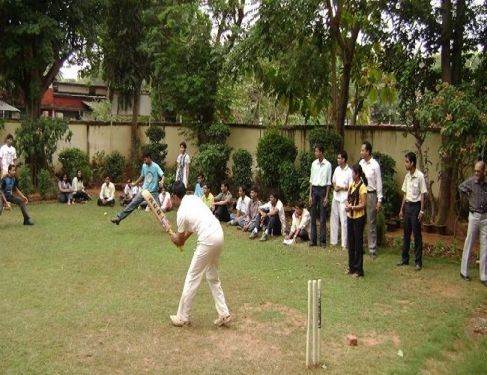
{"points": [[71, 192], [252, 215], [130, 191]]}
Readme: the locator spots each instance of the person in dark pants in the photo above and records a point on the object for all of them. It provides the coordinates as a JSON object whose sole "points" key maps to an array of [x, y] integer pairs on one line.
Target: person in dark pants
{"points": [[319, 186], [272, 217], [355, 208], [414, 188], [223, 203], [9, 186]]}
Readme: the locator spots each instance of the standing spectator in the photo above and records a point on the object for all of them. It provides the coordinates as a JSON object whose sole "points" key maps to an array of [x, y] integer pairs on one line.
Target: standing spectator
{"points": [[153, 178], [272, 217], [342, 177], [65, 194], [355, 207], [476, 189], [79, 192], [8, 155], [107, 193], [252, 220], [165, 200], [198, 189], [414, 188], [8, 187], [319, 186], [371, 169], [223, 203], [300, 225], [207, 197], [242, 208], [183, 160], [127, 194]]}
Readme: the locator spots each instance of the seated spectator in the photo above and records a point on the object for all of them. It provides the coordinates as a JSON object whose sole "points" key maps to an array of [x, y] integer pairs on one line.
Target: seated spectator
{"points": [[207, 197], [165, 200], [301, 224], [65, 194], [79, 192], [223, 203], [272, 217], [198, 189], [128, 194], [107, 193], [242, 208], [252, 219]]}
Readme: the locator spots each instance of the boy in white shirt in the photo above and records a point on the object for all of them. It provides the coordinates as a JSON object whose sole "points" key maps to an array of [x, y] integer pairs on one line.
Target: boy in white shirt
{"points": [[8, 155], [107, 193], [242, 208], [127, 195], [272, 217], [165, 200], [342, 177]]}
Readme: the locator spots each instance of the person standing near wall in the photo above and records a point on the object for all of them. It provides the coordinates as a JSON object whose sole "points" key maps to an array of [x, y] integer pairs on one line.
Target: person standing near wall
{"points": [[183, 160], [476, 189], [414, 188], [8, 155], [371, 169], [319, 187]]}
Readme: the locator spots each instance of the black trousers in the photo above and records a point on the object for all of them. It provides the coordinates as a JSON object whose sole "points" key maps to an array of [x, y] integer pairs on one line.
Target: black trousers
{"points": [[355, 234], [412, 224], [80, 196], [317, 197], [19, 202], [107, 204], [221, 212], [272, 224]]}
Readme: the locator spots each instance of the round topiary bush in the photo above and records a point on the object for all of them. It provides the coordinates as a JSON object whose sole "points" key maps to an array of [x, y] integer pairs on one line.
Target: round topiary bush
{"points": [[242, 168], [72, 160], [273, 150], [114, 166], [331, 140]]}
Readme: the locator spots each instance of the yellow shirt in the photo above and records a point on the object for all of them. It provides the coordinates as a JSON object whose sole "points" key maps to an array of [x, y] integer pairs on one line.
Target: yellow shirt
{"points": [[362, 200], [208, 201]]}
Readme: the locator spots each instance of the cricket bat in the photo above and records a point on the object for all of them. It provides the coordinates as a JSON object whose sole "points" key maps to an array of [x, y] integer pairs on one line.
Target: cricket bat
{"points": [[156, 210]]}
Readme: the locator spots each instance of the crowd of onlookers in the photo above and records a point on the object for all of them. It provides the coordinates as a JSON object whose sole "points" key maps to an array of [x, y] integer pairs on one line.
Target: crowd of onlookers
{"points": [[356, 198]]}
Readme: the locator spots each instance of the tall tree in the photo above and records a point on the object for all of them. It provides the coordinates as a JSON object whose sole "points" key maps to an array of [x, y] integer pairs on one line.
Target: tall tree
{"points": [[125, 62], [38, 37]]}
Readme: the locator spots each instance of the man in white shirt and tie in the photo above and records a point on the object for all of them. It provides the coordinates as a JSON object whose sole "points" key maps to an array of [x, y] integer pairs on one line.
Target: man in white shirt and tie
{"points": [[371, 169], [319, 186], [341, 180]]}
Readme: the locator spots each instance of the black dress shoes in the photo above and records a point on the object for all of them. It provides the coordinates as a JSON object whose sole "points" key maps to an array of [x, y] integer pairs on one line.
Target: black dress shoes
{"points": [[466, 278], [402, 264]]}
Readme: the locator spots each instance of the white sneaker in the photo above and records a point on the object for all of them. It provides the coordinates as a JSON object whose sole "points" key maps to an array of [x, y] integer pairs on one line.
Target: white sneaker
{"points": [[178, 322], [147, 209], [223, 320]]}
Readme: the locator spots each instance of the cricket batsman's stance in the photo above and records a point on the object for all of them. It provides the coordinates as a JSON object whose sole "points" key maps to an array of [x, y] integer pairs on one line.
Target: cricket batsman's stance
{"points": [[195, 217]]}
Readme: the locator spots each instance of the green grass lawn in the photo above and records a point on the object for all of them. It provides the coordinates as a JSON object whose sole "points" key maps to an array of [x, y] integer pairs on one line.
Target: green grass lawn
{"points": [[81, 295]]}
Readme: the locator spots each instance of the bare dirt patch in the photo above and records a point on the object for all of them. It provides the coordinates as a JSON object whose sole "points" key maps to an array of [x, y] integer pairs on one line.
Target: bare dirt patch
{"points": [[477, 325]]}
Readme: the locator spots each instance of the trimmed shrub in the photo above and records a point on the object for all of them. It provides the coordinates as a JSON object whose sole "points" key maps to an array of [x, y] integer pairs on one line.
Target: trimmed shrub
{"points": [[25, 180], [73, 159], [242, 168], [98, 166], [273, 150], [392, 200], [157, 147], [289, 182], [46, 185], [114, 166], [331, 140], [212, 161], [218, 133]]}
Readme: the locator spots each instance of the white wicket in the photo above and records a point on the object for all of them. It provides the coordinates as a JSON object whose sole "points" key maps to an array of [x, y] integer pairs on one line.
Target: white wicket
{"points": [[314, 324]]}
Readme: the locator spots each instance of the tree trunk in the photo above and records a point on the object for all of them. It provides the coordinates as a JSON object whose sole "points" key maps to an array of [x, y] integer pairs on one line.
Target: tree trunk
{"points": [[334, 84], [344, 93], [446, 32], [134, 134], [458, 41]]}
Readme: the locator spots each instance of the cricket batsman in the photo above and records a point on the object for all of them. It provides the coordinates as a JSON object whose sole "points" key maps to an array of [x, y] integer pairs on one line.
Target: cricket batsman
{"points": [[194, 216]]}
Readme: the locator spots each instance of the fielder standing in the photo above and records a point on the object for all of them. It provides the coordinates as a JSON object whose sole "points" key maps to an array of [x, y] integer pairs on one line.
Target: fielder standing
{"points": [[195, 217]]}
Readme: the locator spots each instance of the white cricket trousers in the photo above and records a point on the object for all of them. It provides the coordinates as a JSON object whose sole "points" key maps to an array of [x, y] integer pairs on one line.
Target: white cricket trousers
{"points": [[338, 217], [204, 263], [477, 223]]}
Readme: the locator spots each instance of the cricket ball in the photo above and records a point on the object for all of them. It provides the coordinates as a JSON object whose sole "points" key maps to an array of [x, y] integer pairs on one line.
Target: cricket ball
{"points": [[105, 213]]}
